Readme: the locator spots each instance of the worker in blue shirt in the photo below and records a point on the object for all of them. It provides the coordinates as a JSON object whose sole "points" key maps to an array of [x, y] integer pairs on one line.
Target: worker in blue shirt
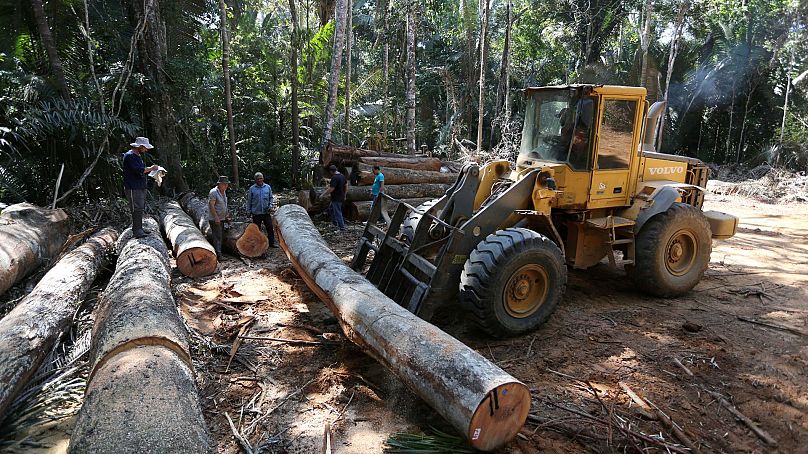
{"points": [[376, 189], [134, 182], [259, 205]]}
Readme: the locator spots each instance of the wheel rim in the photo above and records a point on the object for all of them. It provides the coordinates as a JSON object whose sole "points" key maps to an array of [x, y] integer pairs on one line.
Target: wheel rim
{"points": [[681, 252], [526, 291]]}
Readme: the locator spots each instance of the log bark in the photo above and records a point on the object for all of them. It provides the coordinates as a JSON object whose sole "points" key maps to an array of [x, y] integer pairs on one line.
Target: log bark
{"points": [[141, 394], [393, 176], [360, 211], [29, 332], [245, 238], [251, 246], [402, 191], [412, 162], [29, 237], [337, 154], [478, 398], [195, 257]]}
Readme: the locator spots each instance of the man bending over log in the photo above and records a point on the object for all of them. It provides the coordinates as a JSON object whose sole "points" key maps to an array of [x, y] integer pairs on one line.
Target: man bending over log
{"points": [[259, 205], [134, 182], [218, 213]]}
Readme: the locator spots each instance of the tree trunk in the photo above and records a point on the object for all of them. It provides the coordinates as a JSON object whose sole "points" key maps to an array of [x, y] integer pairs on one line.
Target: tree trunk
{"points": [[394, 176], [360, 211], [246, 239], [412, 20], [504, 78], [158, 110], [228, 98], [29, 332], [30, 236], [48, 43], [414, 163], [386, 70], [141, 389], [469, 10], [348, 44], [674, 50], [333, 79], [295, 109], [645, 44], [487, 405], [250, 246], [194, 255], [483, 63]]}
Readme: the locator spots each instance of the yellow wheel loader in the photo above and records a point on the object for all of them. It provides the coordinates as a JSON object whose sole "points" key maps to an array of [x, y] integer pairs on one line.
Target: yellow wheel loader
{"points": [[587, 187]]}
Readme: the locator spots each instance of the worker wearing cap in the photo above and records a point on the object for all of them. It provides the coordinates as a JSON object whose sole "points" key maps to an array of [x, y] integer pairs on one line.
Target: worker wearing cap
{"points": [[134, 182], [218, 212], [259, 205], [337, 188]]}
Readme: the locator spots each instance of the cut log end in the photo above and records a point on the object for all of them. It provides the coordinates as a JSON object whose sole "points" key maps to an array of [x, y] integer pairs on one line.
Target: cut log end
{"points": [[197, 262], [252, 243], [499, 416]]}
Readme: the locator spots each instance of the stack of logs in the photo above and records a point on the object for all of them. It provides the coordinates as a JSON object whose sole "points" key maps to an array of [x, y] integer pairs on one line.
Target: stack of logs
{"points": [[414, 179]]}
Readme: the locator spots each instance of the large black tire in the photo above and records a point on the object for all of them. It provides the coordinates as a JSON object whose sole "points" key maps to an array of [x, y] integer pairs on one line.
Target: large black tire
{"points": [[672, 251], [412, 219], [512, 281]]}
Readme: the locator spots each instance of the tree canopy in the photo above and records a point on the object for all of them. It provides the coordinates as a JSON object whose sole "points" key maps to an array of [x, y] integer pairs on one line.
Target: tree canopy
{"points": [[80, 79]]}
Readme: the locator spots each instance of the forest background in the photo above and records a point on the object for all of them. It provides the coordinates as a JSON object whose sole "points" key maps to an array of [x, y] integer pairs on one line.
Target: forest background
{"points": [[238, 86]]}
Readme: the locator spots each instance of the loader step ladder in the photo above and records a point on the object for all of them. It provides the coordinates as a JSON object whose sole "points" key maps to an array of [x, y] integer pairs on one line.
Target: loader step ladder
{"points": [[621, 232]]}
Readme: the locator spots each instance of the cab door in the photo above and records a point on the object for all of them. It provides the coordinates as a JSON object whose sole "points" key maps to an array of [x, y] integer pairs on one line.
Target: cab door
{"points": [[616, 141]]}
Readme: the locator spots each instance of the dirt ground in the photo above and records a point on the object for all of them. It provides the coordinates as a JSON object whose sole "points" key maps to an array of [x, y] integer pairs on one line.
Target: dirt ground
{"points": [[742, 333]]}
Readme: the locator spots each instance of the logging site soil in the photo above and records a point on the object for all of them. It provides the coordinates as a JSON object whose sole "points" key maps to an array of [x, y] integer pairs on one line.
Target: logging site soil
{"points": [[742, 333]]}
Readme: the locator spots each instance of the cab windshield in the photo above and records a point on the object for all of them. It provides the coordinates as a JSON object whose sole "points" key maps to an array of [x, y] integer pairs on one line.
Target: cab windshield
{"points": [[558, 127]]}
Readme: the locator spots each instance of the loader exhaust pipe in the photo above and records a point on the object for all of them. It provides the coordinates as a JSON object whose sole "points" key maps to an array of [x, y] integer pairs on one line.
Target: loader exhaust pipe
{"points": [[649, 141]]}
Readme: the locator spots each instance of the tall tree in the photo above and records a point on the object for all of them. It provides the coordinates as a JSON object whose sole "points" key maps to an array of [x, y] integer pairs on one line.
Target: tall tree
{"points": [[645, 44], [348, 45], [483, 64], [468, 9], [386, 68], [295, 109], [409, 95], [228, 98], [158, 108], [674, 50], [336, 63], [50, 48], [501, 111]]}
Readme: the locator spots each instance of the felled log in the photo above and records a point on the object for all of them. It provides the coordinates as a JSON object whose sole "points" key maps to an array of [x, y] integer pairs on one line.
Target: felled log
{"points": [[360, 211], [194, 255], [478, 398], [336, 154], [29, 331], [404, 162], [141, 394], [304, 199], [251, 246], [30, 236], [402, 191], [394, 176], [245, 238]]}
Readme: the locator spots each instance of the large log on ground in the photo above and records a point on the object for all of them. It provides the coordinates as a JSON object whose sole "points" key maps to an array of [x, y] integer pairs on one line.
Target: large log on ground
{"points": [[320, 202], [360, 211], [141, 394], [404, 162], [252, 245], [337, 154], [30, 236], [29, 332], [245, 238], [395, 176], [478, 398], [195, 257]]}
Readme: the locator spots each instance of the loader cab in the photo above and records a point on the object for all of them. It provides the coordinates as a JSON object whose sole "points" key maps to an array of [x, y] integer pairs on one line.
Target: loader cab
{"points": [[589, 135]]}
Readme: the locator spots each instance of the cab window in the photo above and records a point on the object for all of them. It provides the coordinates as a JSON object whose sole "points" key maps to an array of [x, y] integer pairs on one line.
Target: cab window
{"points": [[616, 134]]}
